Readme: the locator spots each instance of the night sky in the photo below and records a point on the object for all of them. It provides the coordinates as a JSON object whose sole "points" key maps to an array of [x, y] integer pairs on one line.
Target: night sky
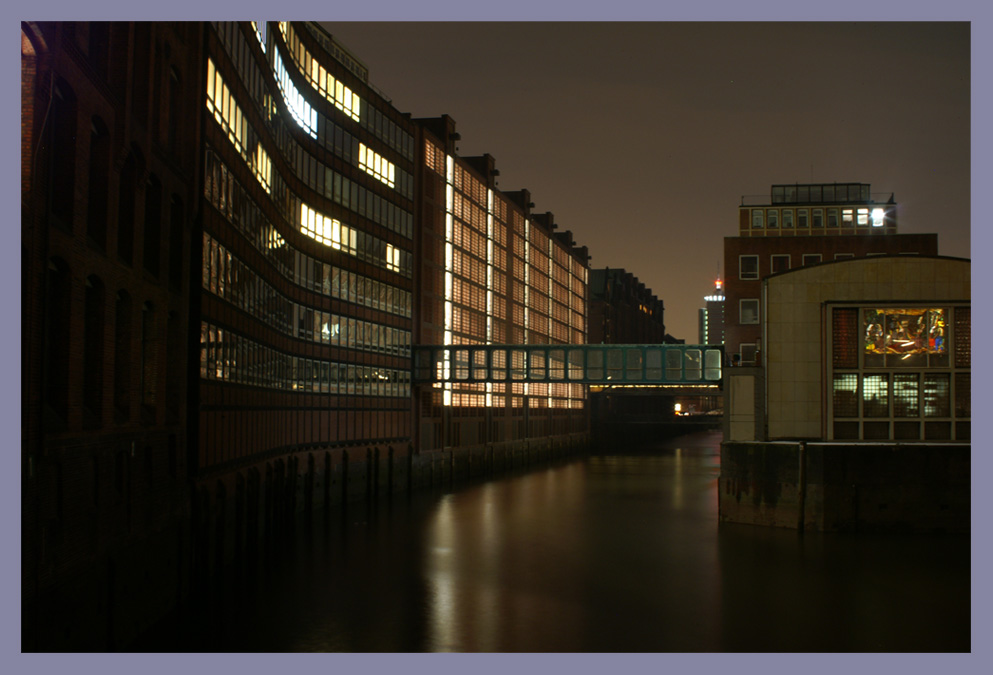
{"points": [[642, 138]]}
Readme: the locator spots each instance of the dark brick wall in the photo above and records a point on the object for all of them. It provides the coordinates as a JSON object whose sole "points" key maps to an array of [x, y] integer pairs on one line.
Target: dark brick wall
{"points": [[856, 487]]}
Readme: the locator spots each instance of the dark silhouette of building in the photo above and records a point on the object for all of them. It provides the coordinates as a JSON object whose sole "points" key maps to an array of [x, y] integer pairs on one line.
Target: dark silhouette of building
{"points": [[800, 225], [110, 188], [623, 310], [230, 240]]}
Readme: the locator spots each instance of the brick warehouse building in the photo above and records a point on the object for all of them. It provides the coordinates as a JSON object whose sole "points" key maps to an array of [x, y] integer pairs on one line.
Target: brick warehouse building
{"points": [[800, 225], [109, 195], [256, 362]]}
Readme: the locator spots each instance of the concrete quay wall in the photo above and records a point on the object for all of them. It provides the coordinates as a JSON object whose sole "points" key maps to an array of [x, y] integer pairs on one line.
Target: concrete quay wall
{"points": [[823, 486]]}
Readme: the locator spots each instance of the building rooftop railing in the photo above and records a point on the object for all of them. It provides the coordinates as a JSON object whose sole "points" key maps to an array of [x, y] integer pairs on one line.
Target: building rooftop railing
{"points": [[766, 200]]}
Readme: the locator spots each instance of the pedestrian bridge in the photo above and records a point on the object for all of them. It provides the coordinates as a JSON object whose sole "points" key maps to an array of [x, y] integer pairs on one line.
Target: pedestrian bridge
{"points": [[613, 365]]}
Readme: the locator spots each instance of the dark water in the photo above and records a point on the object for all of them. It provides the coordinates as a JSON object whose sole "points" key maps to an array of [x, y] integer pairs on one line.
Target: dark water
{"points": [[617, 553]]}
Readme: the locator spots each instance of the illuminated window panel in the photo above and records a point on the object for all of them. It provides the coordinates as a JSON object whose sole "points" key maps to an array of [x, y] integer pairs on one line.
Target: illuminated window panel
{"points": [[376, 166], [333, 90], [875, 395], [845, 395], [299, 108]]}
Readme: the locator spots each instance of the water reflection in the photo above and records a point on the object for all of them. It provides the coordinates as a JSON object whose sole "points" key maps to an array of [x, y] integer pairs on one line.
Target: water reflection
{"points": [[614, 553]]}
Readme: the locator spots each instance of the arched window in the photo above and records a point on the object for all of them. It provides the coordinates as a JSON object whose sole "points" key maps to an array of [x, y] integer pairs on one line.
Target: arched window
{"points": [[152, 236], [56, 364], [99, 179], [60, 175], [93, 351], [122, 356]]}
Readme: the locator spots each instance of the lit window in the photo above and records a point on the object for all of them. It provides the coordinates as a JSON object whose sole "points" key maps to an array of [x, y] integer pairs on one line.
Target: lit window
{"points": [[748, 267], [847, 215], [863, 217], [877, 217], [749, 311], [376, 165]]}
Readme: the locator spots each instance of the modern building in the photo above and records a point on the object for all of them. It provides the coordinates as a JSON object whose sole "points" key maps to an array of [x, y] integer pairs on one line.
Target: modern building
{"points": [[797, 226], [492, 271], [711, 326], [623, 310], [110, 194], [243, 240], [859, 415], [305, 305]]}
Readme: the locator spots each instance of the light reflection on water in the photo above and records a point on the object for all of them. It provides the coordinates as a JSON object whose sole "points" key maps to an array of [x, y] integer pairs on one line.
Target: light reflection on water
{"points": [[616, 552]]}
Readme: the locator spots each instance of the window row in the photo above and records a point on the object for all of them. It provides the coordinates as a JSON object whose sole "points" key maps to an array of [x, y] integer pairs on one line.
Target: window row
{"points": [[333, 138], [230, 357], [332, 89], [850, 217], [749, 268], [144, 340], [901, 337], [228, 114], [332, 233], [229, 278], [845, 192], [902, 395], [227, 195], [361, 110]]}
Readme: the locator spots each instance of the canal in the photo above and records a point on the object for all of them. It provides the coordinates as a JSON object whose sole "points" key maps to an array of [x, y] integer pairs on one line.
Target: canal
{"points": [[615, 552]]}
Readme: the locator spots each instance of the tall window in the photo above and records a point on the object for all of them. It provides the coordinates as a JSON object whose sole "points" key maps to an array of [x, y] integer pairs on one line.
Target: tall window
{"points": [[126, 209], [176, 229], [99, 180], [152, 236], [174, 122], [61, 141], [93, 350], [757, 219], [801, 218], [149, 358], [56, 345], [122, 356]]}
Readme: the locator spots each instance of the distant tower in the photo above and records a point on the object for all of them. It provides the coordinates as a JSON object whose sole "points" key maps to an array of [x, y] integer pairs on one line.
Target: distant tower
{"points": [[711, 326]]}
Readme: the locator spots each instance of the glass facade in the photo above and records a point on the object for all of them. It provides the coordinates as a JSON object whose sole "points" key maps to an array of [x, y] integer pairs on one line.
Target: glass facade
{"points": [[307, 261], [892, 375]]}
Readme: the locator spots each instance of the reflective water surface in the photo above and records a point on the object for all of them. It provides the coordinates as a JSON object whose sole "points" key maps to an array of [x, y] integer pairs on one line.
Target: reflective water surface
{"points": [[611, 553]]}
